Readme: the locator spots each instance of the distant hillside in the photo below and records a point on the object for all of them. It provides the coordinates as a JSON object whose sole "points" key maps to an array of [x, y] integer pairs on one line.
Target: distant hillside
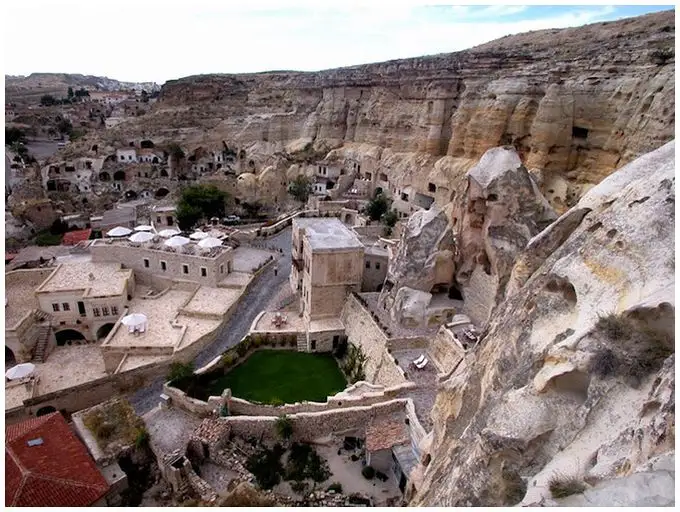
{"points": [[27, 88]]}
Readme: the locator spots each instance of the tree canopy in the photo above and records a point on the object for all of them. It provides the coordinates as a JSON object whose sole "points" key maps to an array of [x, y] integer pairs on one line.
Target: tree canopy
{"points": [[300, 188], [200, 202], [13, 134], [378, 206]]}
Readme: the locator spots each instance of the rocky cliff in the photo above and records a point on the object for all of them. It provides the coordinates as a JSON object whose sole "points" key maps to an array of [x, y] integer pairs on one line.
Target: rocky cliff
{"points": [[575, 103], [569, 398]]}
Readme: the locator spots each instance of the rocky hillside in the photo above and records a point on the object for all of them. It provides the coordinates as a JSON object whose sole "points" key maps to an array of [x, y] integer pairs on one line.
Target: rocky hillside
{"points": [[569, 398], [22, 88], [575, 103]]}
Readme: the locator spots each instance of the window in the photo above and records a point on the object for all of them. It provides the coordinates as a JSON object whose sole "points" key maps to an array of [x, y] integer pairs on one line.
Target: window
{"points": [[431, 187], [221, 269], [204, 272], [55, 307], [114, 310], [146, 263], [96, 312], [105, 311], [158, 220], [66, 306], [164, 266], [185, 269], [313, 344], [404, 196], [377, 265], [368, 264], [336, 340]]}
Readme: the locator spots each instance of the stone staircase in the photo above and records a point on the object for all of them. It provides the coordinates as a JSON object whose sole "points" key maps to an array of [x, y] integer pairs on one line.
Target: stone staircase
{"points": [[44, 328], [302, 342]]}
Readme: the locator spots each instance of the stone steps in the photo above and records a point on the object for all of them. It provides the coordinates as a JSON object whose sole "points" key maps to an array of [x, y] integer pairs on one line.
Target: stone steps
{"points": [[41, 346]]}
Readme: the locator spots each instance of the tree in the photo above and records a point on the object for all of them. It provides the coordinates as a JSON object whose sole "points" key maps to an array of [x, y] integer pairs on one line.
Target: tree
{"points": [[180, 371], [64, 126], [377, 207], [70, 92], [13, 135], [198, 202], [48, 100], [284, 427], [300, 188], [390, 218]]}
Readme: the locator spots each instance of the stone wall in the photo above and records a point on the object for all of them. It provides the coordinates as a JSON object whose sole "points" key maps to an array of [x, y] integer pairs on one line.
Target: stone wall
{"points": [[362, 331], [309, 426], [444, 351], [480, 296]]}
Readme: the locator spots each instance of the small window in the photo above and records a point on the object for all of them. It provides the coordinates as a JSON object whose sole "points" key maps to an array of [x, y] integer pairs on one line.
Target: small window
{"points": [[336, 341], [96, 312], [185, 269], [404, 196], [313, 344], [55, 307], [146, 263], [164, 266], [114, 310], [66, 306], [105, 311], [204, 272], [377, 265], [221, 269], [158, 220], [431, 187], [368, 264], [579, 133]]}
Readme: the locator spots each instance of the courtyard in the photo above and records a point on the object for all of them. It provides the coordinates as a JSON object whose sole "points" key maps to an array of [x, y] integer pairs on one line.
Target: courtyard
{"points": [[281, 376]]}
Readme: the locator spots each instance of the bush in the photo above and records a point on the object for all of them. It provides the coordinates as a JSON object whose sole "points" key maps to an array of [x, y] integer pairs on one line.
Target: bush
{"points": [[368, 472], [266, 466], [142, 438], [46, 238], [228, 359], [284, 427], [604, 363], [562, 486], [335, 486], [304, 462], [299, 487]]}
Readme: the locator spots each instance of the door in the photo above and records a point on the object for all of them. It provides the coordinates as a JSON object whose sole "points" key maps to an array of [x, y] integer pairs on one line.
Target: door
{"points": [[81, 308]]}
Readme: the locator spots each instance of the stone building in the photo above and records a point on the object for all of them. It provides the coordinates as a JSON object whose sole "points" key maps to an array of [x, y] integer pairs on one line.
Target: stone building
{"points": [[327, 264], [189, 263], [164, 216]]}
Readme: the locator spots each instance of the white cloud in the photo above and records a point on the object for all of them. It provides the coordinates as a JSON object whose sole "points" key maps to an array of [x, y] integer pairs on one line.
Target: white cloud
{"points": [[152, 40]]}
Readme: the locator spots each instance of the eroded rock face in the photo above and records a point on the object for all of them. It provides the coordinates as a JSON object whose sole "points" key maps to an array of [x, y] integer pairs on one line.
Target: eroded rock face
{"points": [[424, 258], [536, 400], [494, 219]]}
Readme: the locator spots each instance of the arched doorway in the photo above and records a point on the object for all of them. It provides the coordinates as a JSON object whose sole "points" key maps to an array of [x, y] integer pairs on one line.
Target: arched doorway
{"points": [[454, 293], [10, 360], [48, 409], [131, 194], [104, 176], [104, 330], [164, 173], [67, 336], [146, 144], [162, 192], [119, 176]]}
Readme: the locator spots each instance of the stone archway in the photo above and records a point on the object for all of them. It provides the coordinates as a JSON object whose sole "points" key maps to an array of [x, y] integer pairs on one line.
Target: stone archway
{"points": [[104, 330], [131, 194], [104, 176], [48, 409], [164, 173], [119, 176], [67, 336], [10, 359], [162, 192]]}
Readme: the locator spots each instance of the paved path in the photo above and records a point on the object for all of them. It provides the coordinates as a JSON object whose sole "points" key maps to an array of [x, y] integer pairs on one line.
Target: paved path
{"points": [[265, 287]]}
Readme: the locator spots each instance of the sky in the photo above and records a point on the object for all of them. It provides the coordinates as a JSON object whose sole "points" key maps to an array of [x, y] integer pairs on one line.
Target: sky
{"points": [[159, 40]]}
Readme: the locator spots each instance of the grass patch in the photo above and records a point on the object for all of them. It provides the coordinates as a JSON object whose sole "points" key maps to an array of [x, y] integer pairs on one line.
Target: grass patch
{"points": [[273, 376], [562, 486], [116, 421]]}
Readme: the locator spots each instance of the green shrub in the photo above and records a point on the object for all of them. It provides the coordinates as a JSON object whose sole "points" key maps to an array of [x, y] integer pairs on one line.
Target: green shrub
{"points": [[242, 349], [368, 472], [180, 371], [284, 427], [299, 487], [562, 486], [304, 462], [266, 466], [46, 238], [142, 438], [228, 359]]}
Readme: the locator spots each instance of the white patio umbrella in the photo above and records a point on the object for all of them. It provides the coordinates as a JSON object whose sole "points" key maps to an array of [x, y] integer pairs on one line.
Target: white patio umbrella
{"points": [[199, 235], [167, 233], [176, 241], [144, 227], [20, 371], [209, 243], [134, 320], [119, 231], [141, 237]]}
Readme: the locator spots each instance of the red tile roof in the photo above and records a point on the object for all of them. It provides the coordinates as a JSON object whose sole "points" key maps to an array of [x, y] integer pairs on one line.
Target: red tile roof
{"points": [[74, 237], [385, 435], [57, 473]]}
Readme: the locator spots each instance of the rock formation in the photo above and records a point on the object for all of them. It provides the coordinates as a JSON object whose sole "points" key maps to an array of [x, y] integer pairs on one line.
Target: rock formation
{"points": [[574, 381]]}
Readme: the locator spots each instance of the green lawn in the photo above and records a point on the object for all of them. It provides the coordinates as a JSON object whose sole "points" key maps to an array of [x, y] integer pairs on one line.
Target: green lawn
{"points": [[268, 376]]}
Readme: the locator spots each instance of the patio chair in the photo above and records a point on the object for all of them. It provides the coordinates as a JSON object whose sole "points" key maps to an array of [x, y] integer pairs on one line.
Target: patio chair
{"points": [[131, 329], [142, 328], [419, 360], [422, 364]]}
